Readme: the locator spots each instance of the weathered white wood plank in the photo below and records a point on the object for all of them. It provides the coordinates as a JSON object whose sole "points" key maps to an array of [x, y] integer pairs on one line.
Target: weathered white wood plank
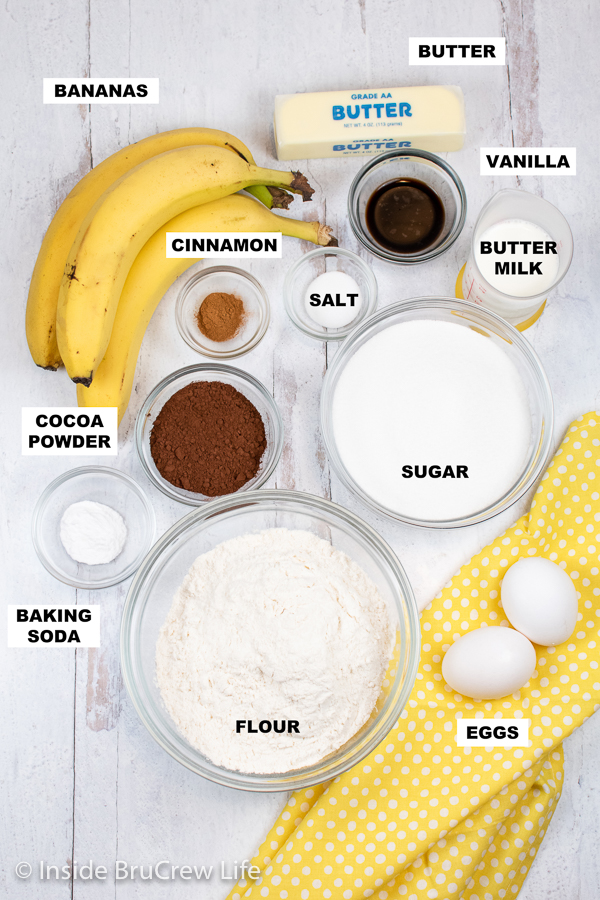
{"points": [[566, 338], [44, 151]]}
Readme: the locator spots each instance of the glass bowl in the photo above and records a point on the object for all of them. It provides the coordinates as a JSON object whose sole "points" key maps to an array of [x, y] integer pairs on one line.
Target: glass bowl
{"points": [[467, 315], [247, 385], [101, 485], [227, 280], [151, 593], [309, 267], [408, 163]]}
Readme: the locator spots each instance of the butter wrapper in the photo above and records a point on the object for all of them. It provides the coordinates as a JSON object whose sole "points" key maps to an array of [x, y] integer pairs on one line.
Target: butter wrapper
{"points": [[366, 122]]}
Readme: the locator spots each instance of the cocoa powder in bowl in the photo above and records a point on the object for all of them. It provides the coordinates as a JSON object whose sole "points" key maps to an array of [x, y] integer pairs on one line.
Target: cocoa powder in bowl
{"points": [[208, 438]]}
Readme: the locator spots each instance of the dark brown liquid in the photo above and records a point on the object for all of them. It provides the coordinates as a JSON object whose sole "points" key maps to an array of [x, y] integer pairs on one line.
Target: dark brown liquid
{"points": [[405, 215]]}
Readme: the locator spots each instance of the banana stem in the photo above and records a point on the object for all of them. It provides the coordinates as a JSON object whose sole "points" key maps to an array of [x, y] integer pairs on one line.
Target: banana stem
{"points": [[308, 231], [271, 197], [262, 194], [291, 181], [279, 199]]}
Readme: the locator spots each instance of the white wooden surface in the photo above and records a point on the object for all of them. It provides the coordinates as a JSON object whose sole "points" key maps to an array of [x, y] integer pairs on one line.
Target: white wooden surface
{"points": [[80, 777]]}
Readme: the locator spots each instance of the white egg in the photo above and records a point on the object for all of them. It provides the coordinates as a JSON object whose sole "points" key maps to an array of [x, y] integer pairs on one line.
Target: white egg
{"points": [[333, 299], [540, 601], [489, 663]]}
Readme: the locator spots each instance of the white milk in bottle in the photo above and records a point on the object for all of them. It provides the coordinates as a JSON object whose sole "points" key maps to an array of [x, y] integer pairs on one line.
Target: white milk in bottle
{"points": [[517, 257], [520, 249]]}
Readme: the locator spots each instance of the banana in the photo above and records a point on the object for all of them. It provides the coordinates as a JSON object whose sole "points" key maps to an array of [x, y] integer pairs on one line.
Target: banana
{"points": [[119, 225], [151, 275], [50, 264]]}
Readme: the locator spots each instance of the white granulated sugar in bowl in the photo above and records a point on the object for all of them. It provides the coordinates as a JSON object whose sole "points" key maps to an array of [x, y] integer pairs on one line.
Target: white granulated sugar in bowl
{"points": [[275, 626], [418, 400]]}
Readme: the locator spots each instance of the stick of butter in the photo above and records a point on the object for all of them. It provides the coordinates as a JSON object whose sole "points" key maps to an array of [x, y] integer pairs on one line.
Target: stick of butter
{"points": [[364, 122]]}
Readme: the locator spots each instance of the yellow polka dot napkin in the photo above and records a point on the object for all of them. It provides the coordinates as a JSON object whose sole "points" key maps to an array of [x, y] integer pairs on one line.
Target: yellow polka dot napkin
{"points": [[420, 817]]}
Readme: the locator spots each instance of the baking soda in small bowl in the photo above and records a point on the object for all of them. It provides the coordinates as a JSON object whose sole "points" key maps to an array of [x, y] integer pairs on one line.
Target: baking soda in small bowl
{"points": [[92, 533]]}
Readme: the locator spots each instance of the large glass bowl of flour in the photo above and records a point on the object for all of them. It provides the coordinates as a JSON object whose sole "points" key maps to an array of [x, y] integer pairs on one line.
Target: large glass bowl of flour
{"points": [[437, 413], [165, 568]]}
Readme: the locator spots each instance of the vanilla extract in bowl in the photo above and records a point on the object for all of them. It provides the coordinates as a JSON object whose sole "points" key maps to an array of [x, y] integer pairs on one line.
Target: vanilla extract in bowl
{"points": [[405, 215]]}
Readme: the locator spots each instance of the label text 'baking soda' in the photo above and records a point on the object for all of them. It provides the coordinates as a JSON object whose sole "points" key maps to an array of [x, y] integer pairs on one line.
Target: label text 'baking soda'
{"points": [[53, 626]]}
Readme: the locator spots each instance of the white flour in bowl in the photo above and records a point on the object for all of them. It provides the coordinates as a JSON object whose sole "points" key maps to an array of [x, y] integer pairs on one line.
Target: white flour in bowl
{"points": [[273, 627]]}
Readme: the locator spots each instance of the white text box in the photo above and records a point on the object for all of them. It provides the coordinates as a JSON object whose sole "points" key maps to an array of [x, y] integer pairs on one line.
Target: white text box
{"points": [[53, 626], [69, 431], [492, 732], [456, 51], [100, 90]]}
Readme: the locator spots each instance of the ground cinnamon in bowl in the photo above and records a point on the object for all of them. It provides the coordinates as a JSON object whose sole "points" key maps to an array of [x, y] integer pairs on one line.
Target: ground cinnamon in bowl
{"points": [[220, 316], [208, 438]]}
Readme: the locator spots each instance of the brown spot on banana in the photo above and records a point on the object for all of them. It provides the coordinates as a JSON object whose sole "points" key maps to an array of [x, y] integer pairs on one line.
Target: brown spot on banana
{"points": [[84, 381], [235, 150]]}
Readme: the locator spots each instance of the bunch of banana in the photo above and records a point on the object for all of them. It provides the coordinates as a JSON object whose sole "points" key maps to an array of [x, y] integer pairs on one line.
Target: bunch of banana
{"points": [[151, 275], [120, 223], [111, 230], [50, 264]]}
